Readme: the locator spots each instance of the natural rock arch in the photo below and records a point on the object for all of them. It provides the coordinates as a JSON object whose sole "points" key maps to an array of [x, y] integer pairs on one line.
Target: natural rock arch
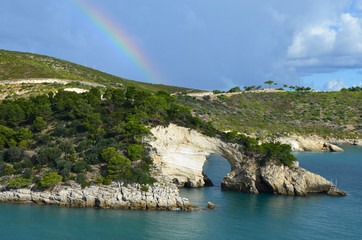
{"points": [[181, 153]]}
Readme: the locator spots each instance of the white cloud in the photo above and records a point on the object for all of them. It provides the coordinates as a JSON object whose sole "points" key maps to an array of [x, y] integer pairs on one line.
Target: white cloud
{"points": [[313, 41], [335, 85], [349, 39], [328, 46]]}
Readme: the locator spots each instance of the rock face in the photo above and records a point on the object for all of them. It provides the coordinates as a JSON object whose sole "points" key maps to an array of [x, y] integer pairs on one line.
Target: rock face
{"points": [[160, 196], [315, 144], [181, 154], [278, 179]]}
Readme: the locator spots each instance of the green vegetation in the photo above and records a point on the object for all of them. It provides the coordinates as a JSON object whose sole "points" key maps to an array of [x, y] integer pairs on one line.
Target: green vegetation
{"points": [[50, 179], [263, 153], [53, 136], [84, 137], [20, 182], [19, 65], [326, 114], [235, 89], [353, 89]]}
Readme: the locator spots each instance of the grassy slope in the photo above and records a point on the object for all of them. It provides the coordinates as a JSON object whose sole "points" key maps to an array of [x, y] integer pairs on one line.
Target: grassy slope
{"points": [[327, 114], [19, 65]]}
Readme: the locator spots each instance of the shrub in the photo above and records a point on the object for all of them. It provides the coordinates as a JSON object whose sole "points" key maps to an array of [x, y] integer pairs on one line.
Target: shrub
{"points": [[14, 154], [79, 166], [50, 179], [27, 174], [44, 139], [67, 147], [20, 182], [81, 178], [206, 98], [99, 180], [48, 155], [39, 124]]}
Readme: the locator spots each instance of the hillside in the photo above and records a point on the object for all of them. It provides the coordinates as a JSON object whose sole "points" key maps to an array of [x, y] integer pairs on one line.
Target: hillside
{"points": [[19, 65], [326, 114], [262, 114]]}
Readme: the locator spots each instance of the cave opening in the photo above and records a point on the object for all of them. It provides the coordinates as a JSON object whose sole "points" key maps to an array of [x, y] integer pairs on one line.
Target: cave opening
{"points": [[215, 168]]}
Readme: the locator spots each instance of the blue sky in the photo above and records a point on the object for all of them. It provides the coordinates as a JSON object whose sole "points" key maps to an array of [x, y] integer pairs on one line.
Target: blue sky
{"points": [[204, 44]]}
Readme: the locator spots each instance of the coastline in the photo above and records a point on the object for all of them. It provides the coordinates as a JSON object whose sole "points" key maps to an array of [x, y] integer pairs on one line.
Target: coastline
{"points": [[162, 195], [115, 196]]}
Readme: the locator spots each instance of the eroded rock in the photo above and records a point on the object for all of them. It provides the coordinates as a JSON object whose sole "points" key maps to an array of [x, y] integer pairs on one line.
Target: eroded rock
{"points": [[181, 153], [159, 196]]}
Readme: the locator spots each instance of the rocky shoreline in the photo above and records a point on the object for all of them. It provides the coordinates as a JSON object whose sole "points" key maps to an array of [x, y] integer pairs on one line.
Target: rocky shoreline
{"points": [[115, 196], [179, 154], [316, 143], [162, 195]]}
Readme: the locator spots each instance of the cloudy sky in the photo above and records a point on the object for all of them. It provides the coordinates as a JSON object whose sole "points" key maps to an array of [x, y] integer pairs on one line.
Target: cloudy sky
{"points": [[204, 44]]}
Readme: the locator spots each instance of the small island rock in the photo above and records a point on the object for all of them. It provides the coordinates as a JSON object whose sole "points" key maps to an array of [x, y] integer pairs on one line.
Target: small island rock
{"points": [[210, 205]]}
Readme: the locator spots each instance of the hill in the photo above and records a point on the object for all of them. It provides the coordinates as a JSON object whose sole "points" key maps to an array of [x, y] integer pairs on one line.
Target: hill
{"points": [[20, 65], [263, 114]]}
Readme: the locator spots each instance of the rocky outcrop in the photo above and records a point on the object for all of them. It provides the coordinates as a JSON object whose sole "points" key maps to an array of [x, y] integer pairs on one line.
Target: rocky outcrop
{"points": [[210, 205], [162, 195], [207, 180], [112, 196], [315, 144], [181, 154], [356, 142], [278, 179]]}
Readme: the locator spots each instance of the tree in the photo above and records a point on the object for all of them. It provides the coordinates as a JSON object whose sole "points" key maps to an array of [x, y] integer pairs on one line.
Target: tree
{"points": [[39, 124], [50, 179], [48, 155], [23, 134], [235, 89], [135, 151], [270, 82], [80, 166], [108, 153], [118, 168]]}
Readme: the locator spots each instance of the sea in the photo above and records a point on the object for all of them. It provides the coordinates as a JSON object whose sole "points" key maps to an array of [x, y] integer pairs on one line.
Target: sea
{"points": [[237, 216]]}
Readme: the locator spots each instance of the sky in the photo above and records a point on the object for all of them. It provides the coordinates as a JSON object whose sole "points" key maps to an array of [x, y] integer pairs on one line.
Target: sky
{"points": [[203, 44]]}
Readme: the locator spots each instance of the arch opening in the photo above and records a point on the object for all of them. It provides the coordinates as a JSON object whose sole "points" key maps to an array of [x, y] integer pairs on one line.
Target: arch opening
{"points": [[214, 170]]}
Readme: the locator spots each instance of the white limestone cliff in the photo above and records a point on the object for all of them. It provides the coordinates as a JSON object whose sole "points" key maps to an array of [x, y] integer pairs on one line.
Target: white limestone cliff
{"points": [[182, 152], [314, 144]]}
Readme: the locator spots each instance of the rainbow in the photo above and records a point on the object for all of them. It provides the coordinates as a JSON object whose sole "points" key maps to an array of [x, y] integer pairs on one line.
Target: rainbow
{"points": [[119, 38]]}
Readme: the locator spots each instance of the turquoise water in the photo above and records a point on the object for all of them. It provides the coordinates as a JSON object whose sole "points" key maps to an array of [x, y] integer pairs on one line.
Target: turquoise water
{"points": [[238, 216]]}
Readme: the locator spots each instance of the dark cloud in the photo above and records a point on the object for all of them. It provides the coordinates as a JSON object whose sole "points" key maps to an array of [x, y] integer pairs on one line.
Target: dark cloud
{"points": [[202, 44]]}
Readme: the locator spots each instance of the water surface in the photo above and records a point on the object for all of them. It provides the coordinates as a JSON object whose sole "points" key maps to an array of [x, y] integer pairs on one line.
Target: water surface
{"points": [[238, 216]]}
